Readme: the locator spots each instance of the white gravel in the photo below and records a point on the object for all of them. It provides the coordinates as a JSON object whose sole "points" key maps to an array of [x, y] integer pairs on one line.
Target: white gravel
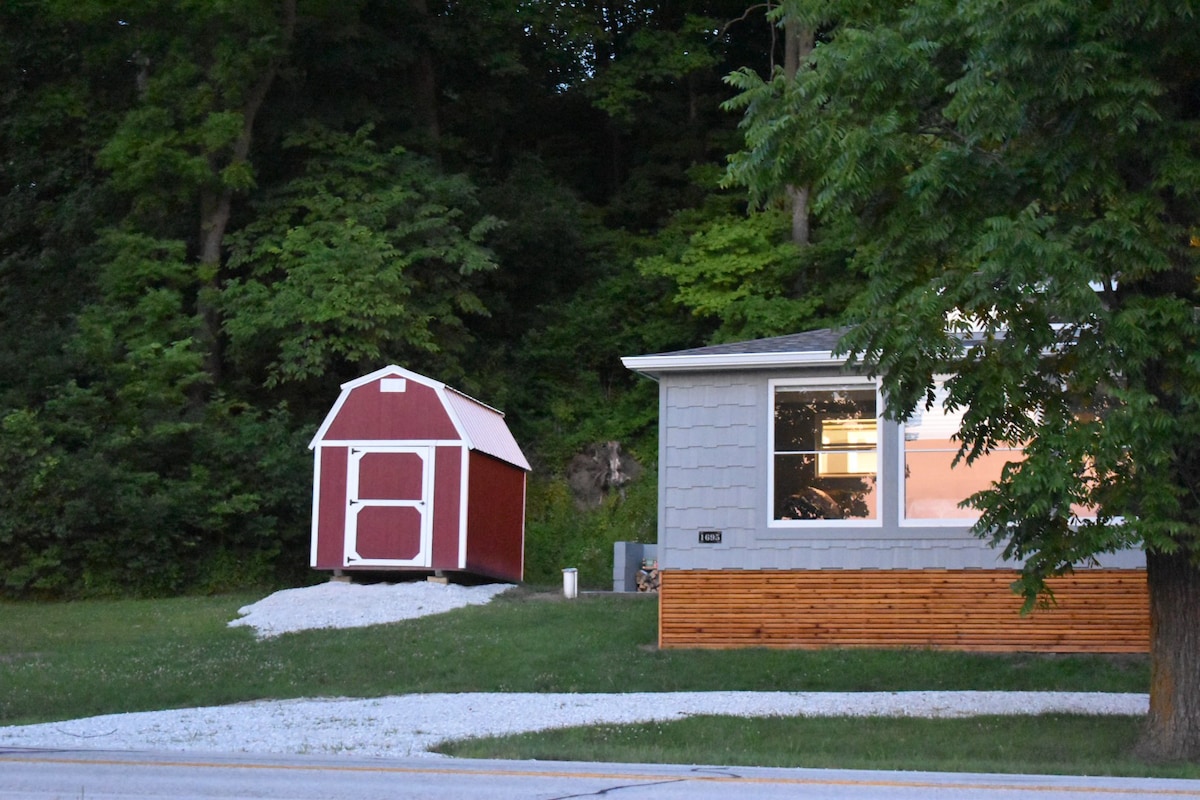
{"points": [[353, 605], [409, 725]]}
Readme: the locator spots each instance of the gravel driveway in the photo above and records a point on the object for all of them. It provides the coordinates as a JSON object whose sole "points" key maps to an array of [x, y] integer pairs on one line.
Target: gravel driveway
{"points": [[409, 725]]}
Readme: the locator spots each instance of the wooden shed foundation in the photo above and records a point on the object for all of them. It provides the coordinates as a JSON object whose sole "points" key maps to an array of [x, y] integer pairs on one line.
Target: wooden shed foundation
{"points": [[1095, 610]]}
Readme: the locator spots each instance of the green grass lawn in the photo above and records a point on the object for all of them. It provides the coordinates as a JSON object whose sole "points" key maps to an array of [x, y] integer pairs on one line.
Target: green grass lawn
{"points": [[65, 660], [1050, 744]]}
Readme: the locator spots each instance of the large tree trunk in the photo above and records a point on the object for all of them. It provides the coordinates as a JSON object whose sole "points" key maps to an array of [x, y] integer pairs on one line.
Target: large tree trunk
{"points": [[797, 45], [798, 197], [1172, 731]]}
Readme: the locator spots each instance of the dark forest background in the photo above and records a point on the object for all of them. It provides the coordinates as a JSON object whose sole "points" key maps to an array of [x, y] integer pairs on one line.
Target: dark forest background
{"points": [[214, 212]]}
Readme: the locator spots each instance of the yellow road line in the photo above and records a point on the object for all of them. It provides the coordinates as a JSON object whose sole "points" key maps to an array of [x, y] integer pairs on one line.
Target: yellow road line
{"points": [[706, 778]]}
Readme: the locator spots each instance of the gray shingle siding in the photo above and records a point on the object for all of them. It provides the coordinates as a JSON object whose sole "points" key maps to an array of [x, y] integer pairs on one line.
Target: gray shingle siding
{"points": [[713, 475], [710, 463]]}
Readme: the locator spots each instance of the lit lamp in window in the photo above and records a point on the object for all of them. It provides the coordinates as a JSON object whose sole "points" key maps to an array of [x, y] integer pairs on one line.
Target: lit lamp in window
{"points": [[848, 448]]}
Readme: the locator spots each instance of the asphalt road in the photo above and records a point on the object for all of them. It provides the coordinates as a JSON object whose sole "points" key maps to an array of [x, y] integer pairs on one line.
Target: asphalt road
{"points": [[107, 775]]}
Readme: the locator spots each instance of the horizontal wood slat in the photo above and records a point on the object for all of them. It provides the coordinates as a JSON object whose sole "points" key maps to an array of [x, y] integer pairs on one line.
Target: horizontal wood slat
{"points": [[1099, 611]]}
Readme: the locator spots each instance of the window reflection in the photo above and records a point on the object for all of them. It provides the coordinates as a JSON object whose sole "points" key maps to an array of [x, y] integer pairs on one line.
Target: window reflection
{"points": [[826, 453], [933, 485]]}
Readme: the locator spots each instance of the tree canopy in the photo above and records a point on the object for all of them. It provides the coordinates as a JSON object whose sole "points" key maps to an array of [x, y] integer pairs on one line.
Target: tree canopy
{"points": [[1024, 178], [214, 213]]}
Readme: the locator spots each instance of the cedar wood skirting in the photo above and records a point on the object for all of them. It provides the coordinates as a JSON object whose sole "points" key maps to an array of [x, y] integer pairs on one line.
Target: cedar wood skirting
{"points": [[1095, 610]]}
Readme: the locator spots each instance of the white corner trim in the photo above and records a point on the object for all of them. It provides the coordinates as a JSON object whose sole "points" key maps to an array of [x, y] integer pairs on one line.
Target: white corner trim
{"points": [[464, 485], [315, 527]]}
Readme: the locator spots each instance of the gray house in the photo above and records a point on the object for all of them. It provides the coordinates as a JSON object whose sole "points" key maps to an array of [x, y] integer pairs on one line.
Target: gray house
{"points": [[792, 514]]}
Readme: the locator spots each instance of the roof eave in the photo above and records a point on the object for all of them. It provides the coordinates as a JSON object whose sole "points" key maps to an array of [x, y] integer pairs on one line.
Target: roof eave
{"points": [[658, 364]]}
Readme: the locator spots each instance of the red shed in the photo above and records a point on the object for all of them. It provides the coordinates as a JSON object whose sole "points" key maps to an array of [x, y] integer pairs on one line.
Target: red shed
{"points": [[411, 474]]}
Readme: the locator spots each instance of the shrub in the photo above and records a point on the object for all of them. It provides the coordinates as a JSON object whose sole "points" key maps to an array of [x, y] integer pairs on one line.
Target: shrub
{"points": [[558, 534]]}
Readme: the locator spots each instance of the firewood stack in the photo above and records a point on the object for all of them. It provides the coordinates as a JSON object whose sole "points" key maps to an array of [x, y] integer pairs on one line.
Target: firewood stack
{"points": [[647, 577]]}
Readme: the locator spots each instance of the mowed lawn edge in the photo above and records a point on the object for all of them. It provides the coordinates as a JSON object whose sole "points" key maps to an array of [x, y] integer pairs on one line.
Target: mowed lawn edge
{"points": [[75, 659], [1056, 744]]}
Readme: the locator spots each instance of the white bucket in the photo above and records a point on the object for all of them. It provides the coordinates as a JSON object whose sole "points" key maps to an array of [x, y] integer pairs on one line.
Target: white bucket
{"points": [[570, 583]]}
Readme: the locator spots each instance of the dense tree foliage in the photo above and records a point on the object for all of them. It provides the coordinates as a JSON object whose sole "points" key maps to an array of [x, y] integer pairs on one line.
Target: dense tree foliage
{"points": [[214, 213], [363, 254], [1028, 176]]}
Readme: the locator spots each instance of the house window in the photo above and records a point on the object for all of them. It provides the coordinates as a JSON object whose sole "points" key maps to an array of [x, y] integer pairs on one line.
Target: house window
{"points": [[933, 485], [826, 452]]}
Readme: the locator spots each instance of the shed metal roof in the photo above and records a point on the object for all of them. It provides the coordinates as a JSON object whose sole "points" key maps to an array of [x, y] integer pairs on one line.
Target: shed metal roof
{"points": [[484, 428], [481, 427]]}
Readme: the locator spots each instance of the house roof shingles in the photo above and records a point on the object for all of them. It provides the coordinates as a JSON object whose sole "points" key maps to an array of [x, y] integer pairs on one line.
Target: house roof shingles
{"points": [[795, 349], [819, 341]]}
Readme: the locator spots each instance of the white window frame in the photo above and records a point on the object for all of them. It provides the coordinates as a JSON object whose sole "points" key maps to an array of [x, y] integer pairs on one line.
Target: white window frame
{"points": [[774, 385]]}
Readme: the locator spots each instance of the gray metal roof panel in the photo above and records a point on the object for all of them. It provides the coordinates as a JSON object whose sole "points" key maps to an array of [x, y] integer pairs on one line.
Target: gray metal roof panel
{"points": [[485, 429]]}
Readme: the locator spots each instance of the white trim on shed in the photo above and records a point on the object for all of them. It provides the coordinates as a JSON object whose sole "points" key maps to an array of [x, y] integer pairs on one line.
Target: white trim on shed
{"points": [[478, 425]]}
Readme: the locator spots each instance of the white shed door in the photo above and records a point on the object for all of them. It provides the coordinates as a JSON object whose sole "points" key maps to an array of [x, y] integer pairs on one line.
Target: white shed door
{"points": [[388, 511]]}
